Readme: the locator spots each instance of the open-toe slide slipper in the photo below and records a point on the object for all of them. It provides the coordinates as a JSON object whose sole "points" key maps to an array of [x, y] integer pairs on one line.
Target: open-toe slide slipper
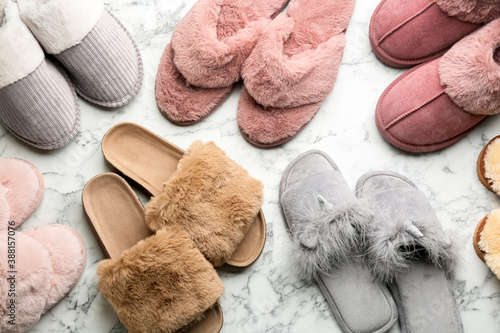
{"points": [[438, 103], [327, 224], [201, 190], [199, 68], [292, 69], [25, 187], [156, 283], [405, 33], [409, 250], [486, 241]]}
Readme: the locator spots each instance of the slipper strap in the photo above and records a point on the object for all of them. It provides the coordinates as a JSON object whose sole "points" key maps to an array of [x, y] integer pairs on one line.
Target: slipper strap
{"points": [[161, 284], [470, 71], [211, 197], [474, 11], [406, 228], [326, 222]]}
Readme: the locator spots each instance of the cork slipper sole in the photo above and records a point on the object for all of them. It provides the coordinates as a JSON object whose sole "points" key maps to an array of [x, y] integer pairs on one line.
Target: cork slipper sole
{"points": [[116, 217], [159, 158]]}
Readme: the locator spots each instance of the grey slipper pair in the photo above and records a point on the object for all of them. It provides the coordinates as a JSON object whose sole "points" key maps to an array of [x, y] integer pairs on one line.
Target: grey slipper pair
{"points": [[374, 253], [38, 103]]}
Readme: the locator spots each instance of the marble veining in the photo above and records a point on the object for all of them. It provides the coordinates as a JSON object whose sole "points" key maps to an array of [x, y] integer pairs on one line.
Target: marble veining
{"points": [[269, 296]]}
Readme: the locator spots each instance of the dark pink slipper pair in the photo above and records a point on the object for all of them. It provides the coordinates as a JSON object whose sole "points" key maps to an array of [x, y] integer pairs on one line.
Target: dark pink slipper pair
{"points": [[288, 65], [38, 266], [439, 102]]}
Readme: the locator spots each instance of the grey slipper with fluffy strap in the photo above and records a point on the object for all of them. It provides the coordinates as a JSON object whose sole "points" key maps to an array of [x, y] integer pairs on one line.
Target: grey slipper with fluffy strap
{"points": [[327, 224], [156, 284], [409, 250], [98, 52]]}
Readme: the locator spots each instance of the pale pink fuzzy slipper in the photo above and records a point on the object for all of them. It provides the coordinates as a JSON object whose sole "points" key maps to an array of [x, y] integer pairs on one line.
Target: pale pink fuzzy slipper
{"points": [[25, 187], [292, 69], [208, 48], [438, 103], [68, 256]]}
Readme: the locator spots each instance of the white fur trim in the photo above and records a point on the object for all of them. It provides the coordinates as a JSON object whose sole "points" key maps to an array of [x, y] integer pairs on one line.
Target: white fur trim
{"points": [[60, 24], [21, 54]]}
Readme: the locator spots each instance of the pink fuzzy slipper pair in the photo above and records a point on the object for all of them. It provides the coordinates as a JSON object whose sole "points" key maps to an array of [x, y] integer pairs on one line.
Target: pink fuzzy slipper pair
{"points": [[438, 103], [38, 266], [288, 65]]}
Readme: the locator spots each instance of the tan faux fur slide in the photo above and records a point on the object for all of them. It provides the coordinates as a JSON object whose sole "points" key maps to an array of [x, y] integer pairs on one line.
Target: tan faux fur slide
{"points": [[488, 165], [156, 283], [486, 241], [200, 190]]}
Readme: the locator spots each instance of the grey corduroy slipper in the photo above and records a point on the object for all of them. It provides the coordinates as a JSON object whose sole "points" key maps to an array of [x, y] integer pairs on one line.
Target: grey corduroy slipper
{"points": [[408, 250], [37, 102], [326, 222], [98, 52]]}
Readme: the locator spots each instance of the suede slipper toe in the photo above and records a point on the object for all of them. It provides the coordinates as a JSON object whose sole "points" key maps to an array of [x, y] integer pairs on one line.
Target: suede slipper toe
{"points": [[438, 103], [199, 68], [291, 70], [405, 33], [98, 52], [486, 241], [200, 189], [38, 104], [488, 165], [156, 283], [409, 251], [25, 186], [327, 224]]}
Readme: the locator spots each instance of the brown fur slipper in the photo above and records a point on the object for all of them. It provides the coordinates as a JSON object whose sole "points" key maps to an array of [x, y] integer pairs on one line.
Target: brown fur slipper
{"points": [[486, 241], [159, 283], [201, 190]]}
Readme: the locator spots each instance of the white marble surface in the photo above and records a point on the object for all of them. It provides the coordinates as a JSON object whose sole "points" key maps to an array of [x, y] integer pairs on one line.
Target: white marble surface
{"points": [[267, 297]]}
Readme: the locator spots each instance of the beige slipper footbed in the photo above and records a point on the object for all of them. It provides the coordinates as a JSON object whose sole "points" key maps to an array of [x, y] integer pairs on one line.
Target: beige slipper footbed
{"points": [[149, 160], [116, 217]]}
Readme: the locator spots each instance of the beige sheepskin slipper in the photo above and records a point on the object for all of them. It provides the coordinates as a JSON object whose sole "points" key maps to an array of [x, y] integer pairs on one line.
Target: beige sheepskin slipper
{"points": [[488, 165], [201, 190], [156, 283], [486, 241]]}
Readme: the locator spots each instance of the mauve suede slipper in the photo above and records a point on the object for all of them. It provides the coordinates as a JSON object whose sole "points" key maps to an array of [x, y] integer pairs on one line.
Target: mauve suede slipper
{"points": [[38, 103], [198, 69], [409, 251], [25, 186], [404, 33], [438, 103], [99, 54], [327, 224], [292, 69], [156, 283]]}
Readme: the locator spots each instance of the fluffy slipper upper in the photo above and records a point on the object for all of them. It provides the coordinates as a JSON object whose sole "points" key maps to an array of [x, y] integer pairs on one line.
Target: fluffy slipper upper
{"points": [[208, 48], [161, 284], [210, 196], [25, 186], [488, 165], [438, 103], [37, 102], [100, 55], [475, 11], [292, 69]]}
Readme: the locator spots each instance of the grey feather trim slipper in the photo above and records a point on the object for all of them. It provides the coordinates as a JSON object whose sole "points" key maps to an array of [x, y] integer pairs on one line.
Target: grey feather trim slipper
{"points": [[408, 249], [327, 224]]}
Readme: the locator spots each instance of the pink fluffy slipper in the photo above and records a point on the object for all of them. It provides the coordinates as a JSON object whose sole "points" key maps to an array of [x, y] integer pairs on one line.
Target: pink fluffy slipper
{"points": [[38, 267], [292, 69], [438, 103], [199, 68], [25, 186], [404, 33]]}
